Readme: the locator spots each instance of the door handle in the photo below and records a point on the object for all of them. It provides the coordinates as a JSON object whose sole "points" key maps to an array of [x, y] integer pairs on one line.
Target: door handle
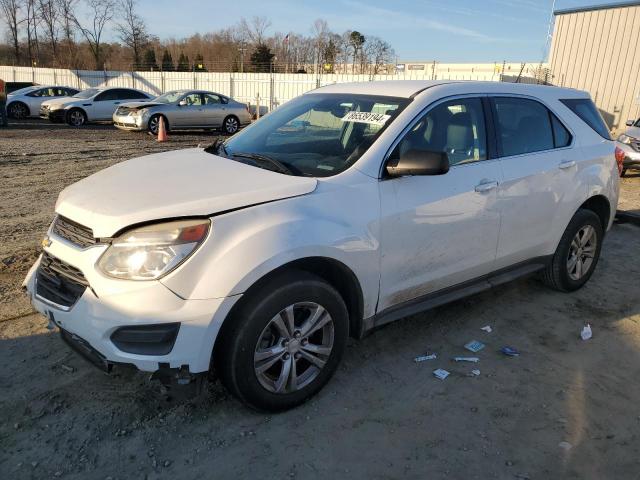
{"points": [[567, 164], [486, 186]]}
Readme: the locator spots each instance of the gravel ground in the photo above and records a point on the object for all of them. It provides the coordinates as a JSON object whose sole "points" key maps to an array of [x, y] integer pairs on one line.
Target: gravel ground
{"points": [[563, 409]]}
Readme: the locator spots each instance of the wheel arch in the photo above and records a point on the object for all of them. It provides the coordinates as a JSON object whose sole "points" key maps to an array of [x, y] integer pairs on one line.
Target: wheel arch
{"points": [[333, 271], [599, 204]]}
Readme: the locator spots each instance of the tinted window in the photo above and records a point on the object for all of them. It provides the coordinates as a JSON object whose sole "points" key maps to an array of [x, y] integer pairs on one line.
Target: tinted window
{"points": [[587, 111], [130, 94], [456, 127], [107, 95], [524, 126], [561, 136], [210, 99]]}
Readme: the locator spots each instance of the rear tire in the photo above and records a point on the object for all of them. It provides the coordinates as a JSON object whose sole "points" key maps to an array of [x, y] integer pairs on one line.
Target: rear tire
{"points": [[76, 117], [259, 348], [577, 254], [230, 125]]}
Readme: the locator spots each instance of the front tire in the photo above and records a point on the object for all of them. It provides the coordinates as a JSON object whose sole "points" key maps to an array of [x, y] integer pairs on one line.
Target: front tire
{"points": [[284, 343], [230, 125], [18, 110], [154, 124], [577, 254], [76, 117]]}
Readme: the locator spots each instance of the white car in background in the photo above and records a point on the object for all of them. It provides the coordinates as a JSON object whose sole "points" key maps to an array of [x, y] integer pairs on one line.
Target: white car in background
{"points": [[344, 209], [26, 102], [90, 105]]}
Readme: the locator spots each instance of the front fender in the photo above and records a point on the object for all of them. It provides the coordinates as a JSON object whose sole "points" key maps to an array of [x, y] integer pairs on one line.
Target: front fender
{"points": [[248, 244]]}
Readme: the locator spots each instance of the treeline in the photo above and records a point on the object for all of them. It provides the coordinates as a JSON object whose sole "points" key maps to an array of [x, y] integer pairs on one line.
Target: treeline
{"points": [[71, 34]]}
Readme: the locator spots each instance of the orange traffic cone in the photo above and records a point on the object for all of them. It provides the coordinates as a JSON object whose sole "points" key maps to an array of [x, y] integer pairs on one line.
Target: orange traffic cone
{"points": [[162, 132]]}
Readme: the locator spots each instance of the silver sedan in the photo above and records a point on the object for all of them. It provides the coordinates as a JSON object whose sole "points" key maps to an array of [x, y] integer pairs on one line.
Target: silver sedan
{"points": [[183, 110]]}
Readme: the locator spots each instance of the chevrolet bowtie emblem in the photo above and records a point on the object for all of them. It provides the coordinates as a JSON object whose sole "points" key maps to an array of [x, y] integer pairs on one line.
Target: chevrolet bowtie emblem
{"points": [[46, 241]]}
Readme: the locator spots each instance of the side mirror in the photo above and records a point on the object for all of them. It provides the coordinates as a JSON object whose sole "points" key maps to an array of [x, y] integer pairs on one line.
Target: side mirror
{"points": [[419, 162], [630, 123], [182, 103]]}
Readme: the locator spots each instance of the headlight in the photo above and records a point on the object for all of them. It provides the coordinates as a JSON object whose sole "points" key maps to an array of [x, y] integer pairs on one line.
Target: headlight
{"points": [[626, 139], [136, 113], [147, 253]]}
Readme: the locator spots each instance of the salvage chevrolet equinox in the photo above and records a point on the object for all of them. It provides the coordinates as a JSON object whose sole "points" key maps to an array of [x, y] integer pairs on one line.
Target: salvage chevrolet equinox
{"points": [[346, 208]]}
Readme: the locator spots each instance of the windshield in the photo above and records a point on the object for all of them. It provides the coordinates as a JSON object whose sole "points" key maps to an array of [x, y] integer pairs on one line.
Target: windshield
{"points": [[170, 97], [23, 91], [88, 93], [318, 134]]}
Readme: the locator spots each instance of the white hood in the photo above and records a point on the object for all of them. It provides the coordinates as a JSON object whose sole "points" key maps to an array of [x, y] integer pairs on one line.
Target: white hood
{"points": [[60, 102], [173, 184]]}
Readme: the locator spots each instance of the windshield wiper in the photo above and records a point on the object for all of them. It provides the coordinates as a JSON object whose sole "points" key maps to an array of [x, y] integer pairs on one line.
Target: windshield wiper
{"points": [[264, 159], [216, 147]]}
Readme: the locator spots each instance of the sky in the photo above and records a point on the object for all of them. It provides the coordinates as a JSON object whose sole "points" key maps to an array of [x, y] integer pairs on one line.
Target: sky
{"points": [[418, 30], [442, 30]]}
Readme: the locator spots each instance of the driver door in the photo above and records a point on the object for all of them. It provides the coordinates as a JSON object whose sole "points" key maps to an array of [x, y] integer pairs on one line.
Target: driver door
{"points": [[441, 230], [190, 114]]}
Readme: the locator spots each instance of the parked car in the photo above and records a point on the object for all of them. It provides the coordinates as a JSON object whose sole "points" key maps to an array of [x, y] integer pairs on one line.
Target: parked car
{"points": [[344, 209], [628, 147], [90, 105], [26, 102], [12, 87], [184, 109]]}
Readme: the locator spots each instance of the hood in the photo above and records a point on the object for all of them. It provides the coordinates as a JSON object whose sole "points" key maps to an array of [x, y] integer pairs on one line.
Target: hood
{"points": [[62, 101], [179, 183], [633, 132], [141, 104]]}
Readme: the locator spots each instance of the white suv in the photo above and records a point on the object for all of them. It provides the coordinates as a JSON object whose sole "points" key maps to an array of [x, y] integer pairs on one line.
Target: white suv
{"points": [[346, 208]]}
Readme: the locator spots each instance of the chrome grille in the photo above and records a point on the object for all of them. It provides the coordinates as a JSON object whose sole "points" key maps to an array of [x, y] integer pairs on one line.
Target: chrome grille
{"points": [[75, 233], [58, 282]]}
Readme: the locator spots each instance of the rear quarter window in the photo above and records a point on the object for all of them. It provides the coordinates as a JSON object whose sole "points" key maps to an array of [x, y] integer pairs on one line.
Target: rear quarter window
{"points": [[589, 114]]}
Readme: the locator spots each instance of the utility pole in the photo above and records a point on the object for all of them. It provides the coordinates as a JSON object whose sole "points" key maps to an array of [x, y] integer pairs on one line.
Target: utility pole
{"points": [[242, 50]]}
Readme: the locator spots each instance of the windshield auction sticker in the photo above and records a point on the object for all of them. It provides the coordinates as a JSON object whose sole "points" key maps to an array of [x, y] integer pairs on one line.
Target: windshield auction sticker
{"points": [[366, 117]]}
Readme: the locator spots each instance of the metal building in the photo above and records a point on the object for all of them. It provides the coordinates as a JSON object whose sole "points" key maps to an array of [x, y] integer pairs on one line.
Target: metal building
{"points": [[598, 49]]}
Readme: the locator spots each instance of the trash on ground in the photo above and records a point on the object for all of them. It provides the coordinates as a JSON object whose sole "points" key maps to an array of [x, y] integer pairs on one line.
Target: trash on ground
{"points": [[586, 332], [565, 445], [487, 328], [466, 359], [474, 346], [474, 373], [424, 358], [441, 374], [510, 351]]}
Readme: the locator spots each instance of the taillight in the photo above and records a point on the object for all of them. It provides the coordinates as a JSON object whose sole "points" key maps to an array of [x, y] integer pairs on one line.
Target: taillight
{"points": [[620, 159]]}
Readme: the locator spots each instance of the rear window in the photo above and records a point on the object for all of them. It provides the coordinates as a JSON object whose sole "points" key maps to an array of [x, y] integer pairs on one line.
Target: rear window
{"points": [[587, 111]]}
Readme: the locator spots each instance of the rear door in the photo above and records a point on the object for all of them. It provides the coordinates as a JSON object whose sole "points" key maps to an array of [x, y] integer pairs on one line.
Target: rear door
{"points": [[442, 230], [214, 110], [539, 187]]}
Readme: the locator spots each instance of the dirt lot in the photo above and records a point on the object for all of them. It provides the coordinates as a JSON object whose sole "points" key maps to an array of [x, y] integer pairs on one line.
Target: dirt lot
{"points": [[563, 409]]}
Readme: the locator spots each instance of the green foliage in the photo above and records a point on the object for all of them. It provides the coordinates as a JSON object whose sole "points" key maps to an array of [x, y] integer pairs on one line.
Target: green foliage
{"points": [[261, 58]]}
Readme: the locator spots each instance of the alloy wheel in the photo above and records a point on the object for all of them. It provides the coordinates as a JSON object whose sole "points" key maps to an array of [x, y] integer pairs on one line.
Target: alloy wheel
{"points": [[231, 125], [154, 123], [582, 252], [18, 111], [76, 118], [294, 347]]}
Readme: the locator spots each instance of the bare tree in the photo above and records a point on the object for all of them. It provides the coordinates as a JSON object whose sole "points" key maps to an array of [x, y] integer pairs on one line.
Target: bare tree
{"points": [[378, 53], [132, 30], [65, 10], [321, 32], [10, 14], [100, 13], [49, 16], [256, 29], [32, 20]]}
